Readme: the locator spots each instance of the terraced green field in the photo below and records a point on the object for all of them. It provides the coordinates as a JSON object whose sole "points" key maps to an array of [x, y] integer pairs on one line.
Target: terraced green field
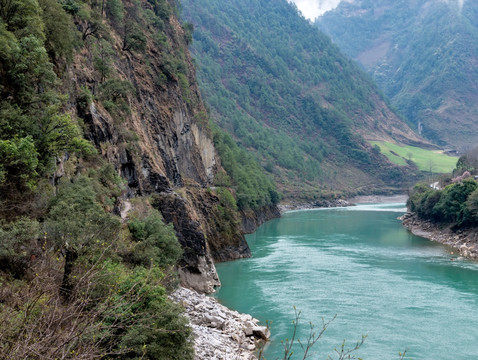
{"points": [[426, 160]]}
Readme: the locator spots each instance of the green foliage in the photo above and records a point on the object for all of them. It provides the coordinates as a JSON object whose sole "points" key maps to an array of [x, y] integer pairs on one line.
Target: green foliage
{"points": [[102, 60], [79, 298], [58, 29], [18, 242], [134, 38], [155, 243], [188, 32], [22, 17], [456, 204], [226, 217], [253, 189], [83, 100], [281, 89], [58, 133], [70, 6], [116, 308], [18, 162], [33, 128], [452, 205], [162, 8], [472, 206], [114, 95], [77, 220], [31, 72], [156, 331], [423, 158], [467, 162], [184, 85], [423, 59], [114, 10]]}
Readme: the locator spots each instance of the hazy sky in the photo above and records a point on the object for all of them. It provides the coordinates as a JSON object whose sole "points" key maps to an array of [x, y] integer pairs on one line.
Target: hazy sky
{"points": [[313, 8]]}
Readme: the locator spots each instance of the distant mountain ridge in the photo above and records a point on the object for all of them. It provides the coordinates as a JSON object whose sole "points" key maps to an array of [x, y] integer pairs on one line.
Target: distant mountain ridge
{"points": [[423, 55], [284, 91]]}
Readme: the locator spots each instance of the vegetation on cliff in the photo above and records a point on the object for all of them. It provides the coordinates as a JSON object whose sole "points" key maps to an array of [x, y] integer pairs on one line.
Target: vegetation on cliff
{"points": [[79, 284], [76, 280]]}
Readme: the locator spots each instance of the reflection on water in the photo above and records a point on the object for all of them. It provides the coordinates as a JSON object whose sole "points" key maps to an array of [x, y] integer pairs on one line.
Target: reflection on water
{"points": [[361, 264]]}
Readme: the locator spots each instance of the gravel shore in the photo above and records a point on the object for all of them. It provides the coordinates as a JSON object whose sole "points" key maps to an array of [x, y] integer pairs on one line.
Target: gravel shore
{"points": [[220, 333], [465, 242]]}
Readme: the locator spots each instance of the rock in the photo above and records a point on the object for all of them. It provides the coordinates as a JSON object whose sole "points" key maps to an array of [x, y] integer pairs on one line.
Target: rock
{"points": [[464, 241], [236, 338], [248, 331], [261, 332], [219, 333]]}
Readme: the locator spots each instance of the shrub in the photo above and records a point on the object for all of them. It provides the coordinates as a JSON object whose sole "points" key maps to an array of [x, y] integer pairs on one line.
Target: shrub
{"points": [[114, 10], [77, 225], [134, 38], [155, 243], [18, 244], [18, 162], [114, 96], [152, 327]]}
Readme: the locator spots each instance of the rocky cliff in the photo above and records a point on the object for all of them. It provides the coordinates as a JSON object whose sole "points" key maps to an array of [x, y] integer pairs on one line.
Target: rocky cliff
{"points": [[145, 115]]}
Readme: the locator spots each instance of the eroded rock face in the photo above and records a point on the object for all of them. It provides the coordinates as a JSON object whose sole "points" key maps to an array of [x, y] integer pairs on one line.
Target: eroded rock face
{"points": [[196, 268], [220, 333], [161, 144], [251, 220]]}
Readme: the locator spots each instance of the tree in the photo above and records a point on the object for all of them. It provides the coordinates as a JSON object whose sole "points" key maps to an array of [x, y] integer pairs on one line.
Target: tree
{"points": [[155, 243], [102, 61], [134, 38], [58, 30], [114, 10], [18, 163], [77, 224]]}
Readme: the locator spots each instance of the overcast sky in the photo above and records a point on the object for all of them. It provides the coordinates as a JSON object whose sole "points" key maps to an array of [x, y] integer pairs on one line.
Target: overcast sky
{"points": [[313, 8]]}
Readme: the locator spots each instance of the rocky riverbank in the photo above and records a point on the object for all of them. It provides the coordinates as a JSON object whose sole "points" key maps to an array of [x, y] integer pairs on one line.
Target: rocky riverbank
{"points": [[314, 205], [465, 242], [220, 333]]}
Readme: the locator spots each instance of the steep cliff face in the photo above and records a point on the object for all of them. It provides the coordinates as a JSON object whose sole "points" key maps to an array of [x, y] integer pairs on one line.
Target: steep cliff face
{"points": [[156, 132]]}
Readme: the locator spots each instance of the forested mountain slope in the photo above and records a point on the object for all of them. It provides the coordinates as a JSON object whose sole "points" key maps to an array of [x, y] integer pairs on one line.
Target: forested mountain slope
{"points": [[422, 54], [284, 91], [110, 184]]}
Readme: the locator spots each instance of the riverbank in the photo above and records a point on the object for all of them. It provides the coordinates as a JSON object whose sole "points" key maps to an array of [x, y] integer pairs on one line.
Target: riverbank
{"points": [[357, 200], [465, 242], [284, 207], [220, 333]]}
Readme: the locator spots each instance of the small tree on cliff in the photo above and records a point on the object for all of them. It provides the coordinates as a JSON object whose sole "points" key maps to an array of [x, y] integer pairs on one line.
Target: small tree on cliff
{"points": [[77, 224]]}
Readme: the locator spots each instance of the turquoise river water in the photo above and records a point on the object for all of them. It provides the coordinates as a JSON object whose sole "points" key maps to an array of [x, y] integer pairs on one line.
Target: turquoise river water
{"points": [[402, 291]]}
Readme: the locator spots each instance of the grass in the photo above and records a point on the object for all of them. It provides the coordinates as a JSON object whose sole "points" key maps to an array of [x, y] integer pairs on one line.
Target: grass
{"points": [[426, 160]]}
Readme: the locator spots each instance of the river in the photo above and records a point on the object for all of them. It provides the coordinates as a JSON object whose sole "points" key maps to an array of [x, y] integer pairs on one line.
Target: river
{"points": [[402, 291]]}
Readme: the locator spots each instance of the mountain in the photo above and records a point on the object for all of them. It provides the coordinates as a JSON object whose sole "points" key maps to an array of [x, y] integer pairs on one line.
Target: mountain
{"points": [[286, 93], [422, 54], [111, 188]]}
